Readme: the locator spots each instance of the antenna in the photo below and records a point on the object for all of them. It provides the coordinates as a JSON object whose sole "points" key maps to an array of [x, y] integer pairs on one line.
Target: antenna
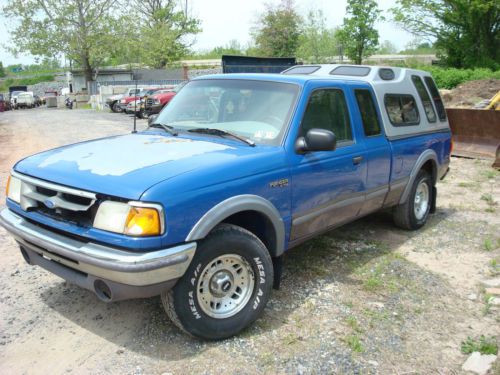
{"points": [[135, 109]]}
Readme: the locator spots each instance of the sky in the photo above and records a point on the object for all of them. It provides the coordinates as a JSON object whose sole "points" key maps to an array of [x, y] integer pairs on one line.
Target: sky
{"points": [[224, 20]]}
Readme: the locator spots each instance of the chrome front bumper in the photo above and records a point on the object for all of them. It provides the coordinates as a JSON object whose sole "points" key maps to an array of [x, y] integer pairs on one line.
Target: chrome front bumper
{"points": [[128, 274]]}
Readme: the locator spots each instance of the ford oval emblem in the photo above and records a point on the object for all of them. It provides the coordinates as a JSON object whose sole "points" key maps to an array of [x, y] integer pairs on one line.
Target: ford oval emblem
{"points": [[49, 203]]}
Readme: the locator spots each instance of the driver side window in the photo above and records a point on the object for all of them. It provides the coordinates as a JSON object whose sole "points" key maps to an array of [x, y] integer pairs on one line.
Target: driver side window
{"points": [[327, 109]]}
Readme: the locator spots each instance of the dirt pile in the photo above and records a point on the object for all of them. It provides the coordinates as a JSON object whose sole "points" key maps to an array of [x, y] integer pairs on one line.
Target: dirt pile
{"points": [[470, 93]]}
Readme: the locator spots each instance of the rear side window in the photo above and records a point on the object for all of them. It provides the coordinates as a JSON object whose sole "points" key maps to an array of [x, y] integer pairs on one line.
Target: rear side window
{"points": [[308, 69], [368, 112], [327, 109], [436, 97], [425, 98], [402, 109], [348, 70]]}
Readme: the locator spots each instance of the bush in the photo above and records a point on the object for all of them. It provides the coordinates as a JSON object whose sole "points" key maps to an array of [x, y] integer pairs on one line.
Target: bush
{"points": [[448, 78]]}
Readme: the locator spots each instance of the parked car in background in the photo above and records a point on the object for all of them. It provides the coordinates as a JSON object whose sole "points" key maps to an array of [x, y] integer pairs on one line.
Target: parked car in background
{"points": [[2, 103], [25, 100], [134, 106], [141, 94], [13, 98], [38, 100], [155, 103], [113, 102]]}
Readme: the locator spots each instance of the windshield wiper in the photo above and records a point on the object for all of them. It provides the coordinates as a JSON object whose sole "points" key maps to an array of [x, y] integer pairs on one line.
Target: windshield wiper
{"points": [[222, 133], [167, 128]]}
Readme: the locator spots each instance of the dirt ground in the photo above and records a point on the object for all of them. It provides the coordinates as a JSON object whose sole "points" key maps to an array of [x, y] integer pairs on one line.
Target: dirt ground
{"points": [[470, 93], [367, 298]]}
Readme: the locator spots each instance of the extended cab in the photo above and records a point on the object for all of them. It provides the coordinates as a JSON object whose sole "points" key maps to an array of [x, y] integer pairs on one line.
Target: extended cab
{"points": [[237, 169]]}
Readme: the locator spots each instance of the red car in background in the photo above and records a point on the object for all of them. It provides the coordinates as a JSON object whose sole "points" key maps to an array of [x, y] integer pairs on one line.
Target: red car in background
{"points": [[143, 93], [2, 103], [155, 103]]}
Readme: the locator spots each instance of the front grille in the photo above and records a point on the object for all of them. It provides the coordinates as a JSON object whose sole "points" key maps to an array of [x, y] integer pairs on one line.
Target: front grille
{"points": [[149, 102], [58, 202]]}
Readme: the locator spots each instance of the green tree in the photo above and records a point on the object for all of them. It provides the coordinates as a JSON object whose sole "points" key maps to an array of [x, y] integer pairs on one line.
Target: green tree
{"points": [[231, 48], [418, 47], [85, 31], [165, 31], [2, 70], [467, 32], [278, 29], [358, 34], [387, 48], [317, 42]]}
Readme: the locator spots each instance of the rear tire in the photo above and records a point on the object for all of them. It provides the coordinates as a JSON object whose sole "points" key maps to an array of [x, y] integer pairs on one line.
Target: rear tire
{"points": [[414, 212], [226, 286], [116, 108]]}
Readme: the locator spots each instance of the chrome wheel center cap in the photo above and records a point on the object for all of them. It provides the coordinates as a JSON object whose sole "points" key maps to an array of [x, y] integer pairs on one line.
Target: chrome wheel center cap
{"points": [[221, 283]]}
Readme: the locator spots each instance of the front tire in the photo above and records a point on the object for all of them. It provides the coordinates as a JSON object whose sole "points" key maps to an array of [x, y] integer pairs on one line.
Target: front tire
{"points": [[226, 286], [116, 107], [414, 212]]}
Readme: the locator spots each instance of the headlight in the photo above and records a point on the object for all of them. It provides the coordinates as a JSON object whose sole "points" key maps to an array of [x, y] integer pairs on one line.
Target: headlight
{"points": [[132, 218], [13, 190]]}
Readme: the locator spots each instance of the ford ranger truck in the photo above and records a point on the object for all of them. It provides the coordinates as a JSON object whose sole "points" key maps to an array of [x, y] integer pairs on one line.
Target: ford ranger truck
{"points": [[238, 168]]}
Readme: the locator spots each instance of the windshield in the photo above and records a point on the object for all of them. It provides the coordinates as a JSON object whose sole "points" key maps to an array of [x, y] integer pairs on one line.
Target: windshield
{"points": [[257, 110]]}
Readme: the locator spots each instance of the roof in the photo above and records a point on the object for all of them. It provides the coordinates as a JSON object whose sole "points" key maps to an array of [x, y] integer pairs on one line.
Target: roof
{"points": [[366, 73], [362, 73], [103, 71]]}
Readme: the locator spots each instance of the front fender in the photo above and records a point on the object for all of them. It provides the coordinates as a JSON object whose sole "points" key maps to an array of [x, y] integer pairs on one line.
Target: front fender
{"points": [[233, 205]]}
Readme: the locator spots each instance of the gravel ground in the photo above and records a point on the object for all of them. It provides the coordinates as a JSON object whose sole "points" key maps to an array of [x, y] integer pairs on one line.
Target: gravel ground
{"points": [[364, 299]]}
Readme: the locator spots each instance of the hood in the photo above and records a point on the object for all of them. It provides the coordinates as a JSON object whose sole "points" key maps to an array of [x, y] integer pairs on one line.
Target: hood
{"points": [[125, 166], [116, 97]]}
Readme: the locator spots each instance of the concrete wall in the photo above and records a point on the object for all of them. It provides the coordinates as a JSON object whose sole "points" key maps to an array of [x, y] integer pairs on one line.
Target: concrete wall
{"points": [[79, 80]]}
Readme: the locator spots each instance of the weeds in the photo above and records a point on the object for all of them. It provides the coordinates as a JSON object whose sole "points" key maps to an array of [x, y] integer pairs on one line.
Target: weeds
{"points": [[484, 345], [353, 323], [488, 198], [489, 174], [488, 244], [487, 303], [354, 343], [466, 184]]}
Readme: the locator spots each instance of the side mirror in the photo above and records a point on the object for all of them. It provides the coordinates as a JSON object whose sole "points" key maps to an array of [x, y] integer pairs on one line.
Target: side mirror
{"points": [[316, 140], [152, 119]]}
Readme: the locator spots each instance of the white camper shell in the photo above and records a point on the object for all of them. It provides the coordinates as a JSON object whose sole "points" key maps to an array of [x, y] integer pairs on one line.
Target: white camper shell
{"points": [[409, 99]]}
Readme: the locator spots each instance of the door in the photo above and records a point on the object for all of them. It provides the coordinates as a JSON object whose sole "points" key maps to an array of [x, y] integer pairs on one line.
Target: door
{"points": [[327, 186], [378, 151]]}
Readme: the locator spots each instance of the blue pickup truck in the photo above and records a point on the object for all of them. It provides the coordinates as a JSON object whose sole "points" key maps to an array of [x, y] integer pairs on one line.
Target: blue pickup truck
{"points": [[201, 206]]}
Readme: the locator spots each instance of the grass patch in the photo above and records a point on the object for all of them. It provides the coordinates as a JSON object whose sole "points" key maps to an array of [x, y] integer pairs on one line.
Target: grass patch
{"points": [[488, 198], [466, 184], [353, 323], [490, 173], [483, 345], [4, 85], [354, 343], [490, 244]]}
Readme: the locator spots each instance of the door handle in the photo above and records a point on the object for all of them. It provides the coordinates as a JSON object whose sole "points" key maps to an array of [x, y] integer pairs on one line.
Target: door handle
{"points": [[357, 160]]}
